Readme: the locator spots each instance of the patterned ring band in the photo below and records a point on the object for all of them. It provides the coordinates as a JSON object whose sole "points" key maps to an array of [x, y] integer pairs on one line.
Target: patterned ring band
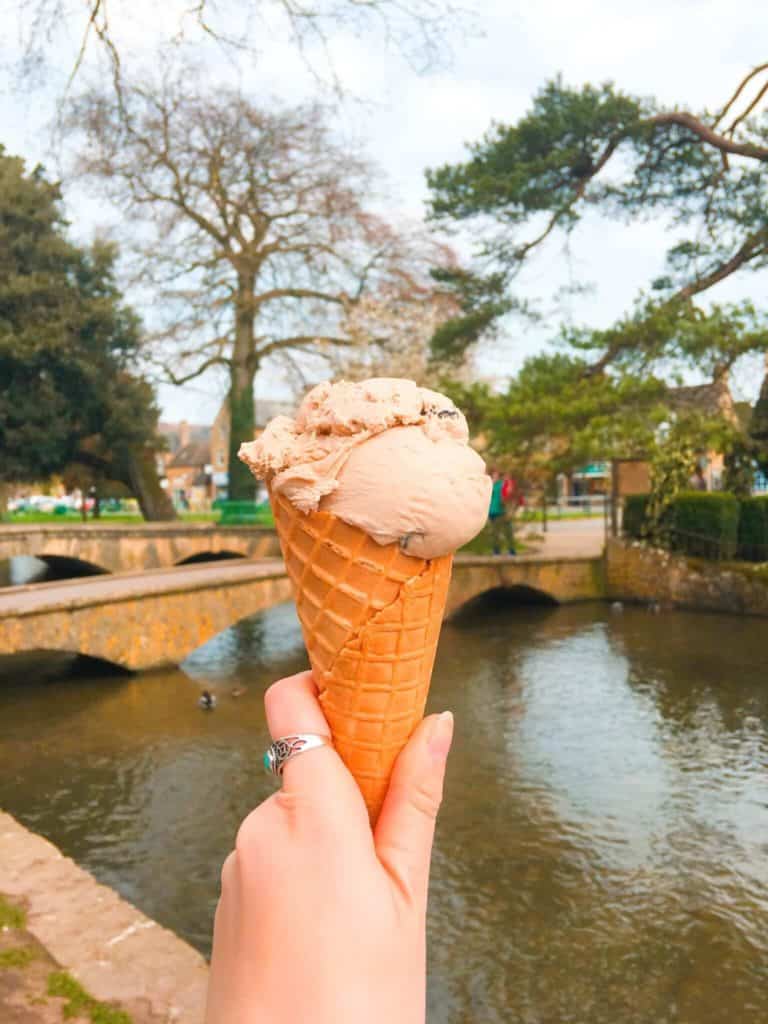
{"points": [[286, 747]]}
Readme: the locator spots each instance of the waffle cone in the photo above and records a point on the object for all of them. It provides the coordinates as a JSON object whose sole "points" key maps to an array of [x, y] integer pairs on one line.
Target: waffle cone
{"points": [[371, 618]]}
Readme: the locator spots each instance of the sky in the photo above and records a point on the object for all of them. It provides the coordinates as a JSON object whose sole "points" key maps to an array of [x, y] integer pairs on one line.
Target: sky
{"points": [[691, 53]]}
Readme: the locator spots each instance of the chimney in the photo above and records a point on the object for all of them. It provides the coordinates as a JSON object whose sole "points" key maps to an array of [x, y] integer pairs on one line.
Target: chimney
{"points": [[184, 433]]}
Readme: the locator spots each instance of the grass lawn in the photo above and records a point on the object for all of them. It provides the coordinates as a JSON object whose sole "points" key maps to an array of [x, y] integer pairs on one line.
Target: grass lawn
{"points": [[69, 517], [263, 518], [483, 545]]}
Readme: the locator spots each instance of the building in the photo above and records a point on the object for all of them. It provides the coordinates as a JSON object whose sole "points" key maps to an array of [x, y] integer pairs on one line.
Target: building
{"points": [[632, 476], [195, 461], [188, 476]]}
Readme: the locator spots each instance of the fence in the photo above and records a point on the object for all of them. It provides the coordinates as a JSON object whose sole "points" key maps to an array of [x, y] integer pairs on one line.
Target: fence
{"points": [[703, 545]]}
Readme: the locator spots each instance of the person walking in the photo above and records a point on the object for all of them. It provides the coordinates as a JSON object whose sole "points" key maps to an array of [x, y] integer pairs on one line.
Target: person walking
{"points": [[502, 529]]}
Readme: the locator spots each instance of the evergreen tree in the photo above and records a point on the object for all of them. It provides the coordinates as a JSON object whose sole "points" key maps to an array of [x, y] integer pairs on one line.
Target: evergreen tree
{"points": [[69, 348], [629, 157]]}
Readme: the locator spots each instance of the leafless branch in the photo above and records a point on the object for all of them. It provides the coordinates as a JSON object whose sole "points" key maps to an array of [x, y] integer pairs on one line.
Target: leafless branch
{"points": [[711, 137], [739, 89], [747, 111]]}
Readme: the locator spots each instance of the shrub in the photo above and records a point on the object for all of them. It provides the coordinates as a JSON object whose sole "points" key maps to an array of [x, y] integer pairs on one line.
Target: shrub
{"points": [[634, 515], [705, 524], [753, 529]]}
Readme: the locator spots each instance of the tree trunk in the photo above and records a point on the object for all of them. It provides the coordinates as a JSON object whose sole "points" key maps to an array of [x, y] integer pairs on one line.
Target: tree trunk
{"points": [[4, 490], [242, 486], [141, 477]]}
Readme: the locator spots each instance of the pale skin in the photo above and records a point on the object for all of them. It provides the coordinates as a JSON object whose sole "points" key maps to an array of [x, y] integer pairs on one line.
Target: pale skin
{"points": [[321, 919]]}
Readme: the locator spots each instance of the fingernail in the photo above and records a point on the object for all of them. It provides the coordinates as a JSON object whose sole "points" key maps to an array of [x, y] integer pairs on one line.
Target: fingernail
{"points": [[440, 735]]}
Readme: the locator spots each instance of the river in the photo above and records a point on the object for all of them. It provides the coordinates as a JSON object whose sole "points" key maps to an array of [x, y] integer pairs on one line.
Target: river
{"points": [[602, 852]]}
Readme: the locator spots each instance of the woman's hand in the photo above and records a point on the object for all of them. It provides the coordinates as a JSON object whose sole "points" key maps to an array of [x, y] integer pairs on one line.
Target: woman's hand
{"points": [[321, 921]]}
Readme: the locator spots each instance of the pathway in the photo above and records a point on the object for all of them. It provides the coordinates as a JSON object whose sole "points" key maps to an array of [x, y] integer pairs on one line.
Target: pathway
{"points": [[567, 538]]}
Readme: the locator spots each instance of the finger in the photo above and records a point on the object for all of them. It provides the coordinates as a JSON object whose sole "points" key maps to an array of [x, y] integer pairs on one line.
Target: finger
{"points": [[406, 825], [292, 706], [317, 776]]}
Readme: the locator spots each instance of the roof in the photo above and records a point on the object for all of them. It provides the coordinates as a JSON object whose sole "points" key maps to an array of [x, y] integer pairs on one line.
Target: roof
{"points": [[713, 399], [193, 454], [172, 432]]}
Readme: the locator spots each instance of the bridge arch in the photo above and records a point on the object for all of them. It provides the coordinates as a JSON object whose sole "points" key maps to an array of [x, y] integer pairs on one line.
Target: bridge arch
{"points": [[44, 664], [64, 567], [210, 556], [44, 568], [501, 597]]}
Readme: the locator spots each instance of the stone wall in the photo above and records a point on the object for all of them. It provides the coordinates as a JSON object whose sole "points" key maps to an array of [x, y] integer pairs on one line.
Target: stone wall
{"points": [[637, 572]]}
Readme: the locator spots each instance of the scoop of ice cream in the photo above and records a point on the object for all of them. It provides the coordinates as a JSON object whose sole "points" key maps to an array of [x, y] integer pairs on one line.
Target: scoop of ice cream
{"points": [[384, 455]]}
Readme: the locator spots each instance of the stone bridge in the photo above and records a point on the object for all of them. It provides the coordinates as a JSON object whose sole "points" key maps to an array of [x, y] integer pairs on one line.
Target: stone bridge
{"points": [[146, 620], [117, 547]]}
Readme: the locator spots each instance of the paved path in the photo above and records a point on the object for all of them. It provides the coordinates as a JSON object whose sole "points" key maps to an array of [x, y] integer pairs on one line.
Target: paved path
{"points": [[567, 538]]}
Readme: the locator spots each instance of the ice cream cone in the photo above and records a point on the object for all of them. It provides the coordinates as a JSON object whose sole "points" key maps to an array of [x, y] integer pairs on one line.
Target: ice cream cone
{"points": [[371, 617]]}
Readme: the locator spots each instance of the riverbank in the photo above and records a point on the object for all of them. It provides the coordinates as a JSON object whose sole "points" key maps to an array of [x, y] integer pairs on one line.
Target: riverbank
{"points": [[66, 940], [635, 571]]}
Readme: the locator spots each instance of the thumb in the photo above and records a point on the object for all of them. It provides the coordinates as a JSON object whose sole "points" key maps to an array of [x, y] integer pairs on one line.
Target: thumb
{"points": [[406, 825]]}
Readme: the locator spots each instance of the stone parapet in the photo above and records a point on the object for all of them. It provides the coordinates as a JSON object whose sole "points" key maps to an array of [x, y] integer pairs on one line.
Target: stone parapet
{"points": [[141, 620], [119, 547]]}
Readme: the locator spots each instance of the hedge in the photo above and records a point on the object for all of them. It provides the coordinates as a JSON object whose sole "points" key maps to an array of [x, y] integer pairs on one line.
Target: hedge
{"points": [[634, 515], [753, 530], [705, 524]]}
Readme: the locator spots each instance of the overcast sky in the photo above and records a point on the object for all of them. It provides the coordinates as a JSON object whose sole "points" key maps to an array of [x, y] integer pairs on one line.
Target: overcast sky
{"points": [[686, 52]]}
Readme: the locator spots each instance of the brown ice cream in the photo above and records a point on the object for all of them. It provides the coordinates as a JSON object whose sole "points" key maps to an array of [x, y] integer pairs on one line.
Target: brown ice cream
{"points": [[384, 455]]}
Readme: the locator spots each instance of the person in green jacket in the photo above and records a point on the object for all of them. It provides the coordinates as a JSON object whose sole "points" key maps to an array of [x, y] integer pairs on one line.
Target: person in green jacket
{"points": [[502, 529]]}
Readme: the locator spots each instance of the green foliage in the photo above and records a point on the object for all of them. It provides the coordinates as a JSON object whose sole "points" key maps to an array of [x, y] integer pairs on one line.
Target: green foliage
{"points": [[70, 397], [482, 300], [16, 957], [705, 524], [708, 341], [534, 165], [633, 519], [595, 147], [554, 416], [80, 1003], [674, 460], [10, 916], [753, 529], [739, 473], [68, 345]]}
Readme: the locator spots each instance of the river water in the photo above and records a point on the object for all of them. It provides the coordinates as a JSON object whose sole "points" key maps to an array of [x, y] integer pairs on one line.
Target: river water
{"points": [[602, 853]]}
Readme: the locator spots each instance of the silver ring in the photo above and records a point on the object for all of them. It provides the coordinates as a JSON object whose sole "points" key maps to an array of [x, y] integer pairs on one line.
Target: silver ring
{"points": [[286, 747]]}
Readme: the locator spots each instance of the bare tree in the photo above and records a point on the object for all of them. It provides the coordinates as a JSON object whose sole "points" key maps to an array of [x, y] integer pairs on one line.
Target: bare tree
{"points": [[252, 238], [420, 30]]}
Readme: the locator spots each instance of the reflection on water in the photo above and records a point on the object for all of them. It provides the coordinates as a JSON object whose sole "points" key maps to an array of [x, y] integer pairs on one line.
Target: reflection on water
{"points": [[602, 853]]}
